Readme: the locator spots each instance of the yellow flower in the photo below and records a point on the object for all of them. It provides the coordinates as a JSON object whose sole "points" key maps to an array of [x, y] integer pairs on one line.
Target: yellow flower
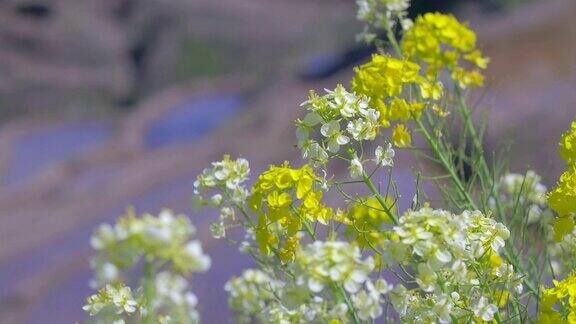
{"points": [[432, 90], [382, 80], [562, 227], [563, 198], [495, 260], [401, 136], [401, 110], [369, 217], [442, 42], [564, 294], [568, 144], [439, 111], [477, 58], [288, 253], [384, 76], [467, 79], [285, 197], [501, 297]]}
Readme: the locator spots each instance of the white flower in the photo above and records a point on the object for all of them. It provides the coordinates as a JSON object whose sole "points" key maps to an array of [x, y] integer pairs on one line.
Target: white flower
{"points": [[366, 127], [356, 168], [335, 137], [406, 24], [426, 277], [383, 286], [367, 302], [400, 299], [534, 212], [484, 310], [197, 260], [104, 236], [312, 151], [365, 8], [397, 5], [218, 230], [384, 157], [325, 263], [123, 299], [443, 308], [249, 294], [227, 175], [109, 272], [226, 213], [216, 200]]}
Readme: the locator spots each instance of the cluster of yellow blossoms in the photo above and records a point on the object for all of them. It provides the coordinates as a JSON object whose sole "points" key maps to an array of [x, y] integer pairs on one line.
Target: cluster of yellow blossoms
{"points": [[367, 219], [441, 41], [387, 81], [562, 296], [558, 304], [286, 198], [563, 198], [568, 145]]}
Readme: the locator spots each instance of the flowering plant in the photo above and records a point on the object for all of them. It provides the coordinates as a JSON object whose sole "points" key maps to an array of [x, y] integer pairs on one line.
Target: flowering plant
{"points": [[366, 259]]}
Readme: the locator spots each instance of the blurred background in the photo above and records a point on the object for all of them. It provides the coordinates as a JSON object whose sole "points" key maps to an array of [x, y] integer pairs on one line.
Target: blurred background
{"points": [[110, 103]]}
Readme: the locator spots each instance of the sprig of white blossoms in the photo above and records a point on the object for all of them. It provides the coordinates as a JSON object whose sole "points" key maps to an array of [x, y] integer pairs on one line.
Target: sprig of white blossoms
{"points": [[167, 240], [382, 158], [382, 14], [166, 237], [446, 252], [526, 189], [117, 298], [368, 302], [339, 117], [174, 297], [323, 264], [251, 293], [224, 183], [256, 295]]}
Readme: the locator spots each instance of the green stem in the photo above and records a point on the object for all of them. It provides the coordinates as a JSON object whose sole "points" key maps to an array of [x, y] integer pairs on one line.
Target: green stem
{"points": [[379, 197], [149, 292], [510, 252], [392, 39], [344, 295], [447, 165]]}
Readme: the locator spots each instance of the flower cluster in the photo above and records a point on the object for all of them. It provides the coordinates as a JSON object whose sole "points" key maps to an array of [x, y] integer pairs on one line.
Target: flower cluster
{"points": [[368, 302], [558, 304], [251, 293], [525, 190], [286, 199], [339, 116], [324, 264], [166, 237], [163, 242], [367, 219], [563, 198], [382, 15], [385, 80], [441, 41], [225, 182], [256, 295], [568, 145], [453, 256], [115, 299], [174, 297], [334, 265]]}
